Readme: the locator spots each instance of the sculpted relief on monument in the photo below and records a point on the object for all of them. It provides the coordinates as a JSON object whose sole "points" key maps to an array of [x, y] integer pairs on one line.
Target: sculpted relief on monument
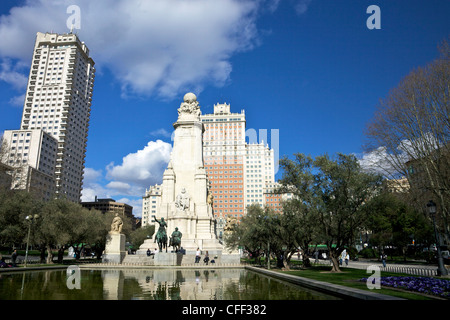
{"points": [[182, 200]]}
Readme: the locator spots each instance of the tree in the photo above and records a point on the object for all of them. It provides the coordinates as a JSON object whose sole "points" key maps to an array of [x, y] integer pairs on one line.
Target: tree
{"points": [[334, 192], [63, 223], [394, 223], [301, 210], [15, 205], [139, 235], [251, 233], [410, 133]]}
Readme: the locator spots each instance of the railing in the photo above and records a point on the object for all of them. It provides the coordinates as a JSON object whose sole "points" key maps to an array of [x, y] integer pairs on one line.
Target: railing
{"points": [[418, 271], [426, 272]]}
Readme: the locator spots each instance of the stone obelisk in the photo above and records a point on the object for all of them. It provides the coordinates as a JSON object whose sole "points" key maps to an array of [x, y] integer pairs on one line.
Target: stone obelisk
{"points": [[185, 186]]}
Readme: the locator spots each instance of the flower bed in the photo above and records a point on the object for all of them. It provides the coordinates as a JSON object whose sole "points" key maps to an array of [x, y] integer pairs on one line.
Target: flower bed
{"points": [[427, 285]]}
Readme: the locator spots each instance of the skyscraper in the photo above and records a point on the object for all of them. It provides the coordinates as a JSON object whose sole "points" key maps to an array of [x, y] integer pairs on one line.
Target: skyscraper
{"points": [[224, 153], [58, 101]]}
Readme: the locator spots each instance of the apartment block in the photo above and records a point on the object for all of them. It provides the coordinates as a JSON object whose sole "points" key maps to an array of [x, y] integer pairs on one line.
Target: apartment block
{"points": [[58, 101], [150, 204], [224, 154], [32, 154]]}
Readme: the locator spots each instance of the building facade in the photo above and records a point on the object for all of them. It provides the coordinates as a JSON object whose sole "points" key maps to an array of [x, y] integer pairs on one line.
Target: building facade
{"points": [[32, 155], [224, 153], [58, 101], [150, 204], [110, 205]]}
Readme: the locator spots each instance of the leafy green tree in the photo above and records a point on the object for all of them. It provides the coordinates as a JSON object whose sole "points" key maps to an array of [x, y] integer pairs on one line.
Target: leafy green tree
{"points": [[139, 235], [395, 223], [63, 223], [342, 190], [251, 233], [301, 209], [333, 191], [14, 207]]}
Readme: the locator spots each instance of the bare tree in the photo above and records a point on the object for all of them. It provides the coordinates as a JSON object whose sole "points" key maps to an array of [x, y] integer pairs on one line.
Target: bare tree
{"points": [[410, 134]]}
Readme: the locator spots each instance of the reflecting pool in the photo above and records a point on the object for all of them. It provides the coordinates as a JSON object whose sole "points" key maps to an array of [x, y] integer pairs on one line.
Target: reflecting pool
{"points": [[150, 284]]}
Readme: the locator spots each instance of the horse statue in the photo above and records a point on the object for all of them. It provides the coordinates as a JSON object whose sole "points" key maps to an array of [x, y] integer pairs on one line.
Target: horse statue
{"points": [[161, 239], [175, 240], [161, 236]]}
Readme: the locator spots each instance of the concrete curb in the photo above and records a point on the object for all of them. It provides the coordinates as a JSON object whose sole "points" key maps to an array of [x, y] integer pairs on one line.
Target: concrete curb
{"points": [[21, 269], [326, 287]]}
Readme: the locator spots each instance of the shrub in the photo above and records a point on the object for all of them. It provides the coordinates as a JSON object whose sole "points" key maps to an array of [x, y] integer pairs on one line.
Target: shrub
{"points": [[368, 253]]}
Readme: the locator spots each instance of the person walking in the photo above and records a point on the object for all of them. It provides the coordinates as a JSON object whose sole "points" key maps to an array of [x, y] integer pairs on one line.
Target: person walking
{"points": [[383, 259], [197, 255], [316, 256], [206, 259], [347, 257], [14, 258]]}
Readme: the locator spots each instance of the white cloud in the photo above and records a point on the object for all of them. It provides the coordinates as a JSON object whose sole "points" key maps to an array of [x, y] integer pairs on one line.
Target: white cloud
{"points": [[376, 161], [17, 101], [157, 47], [123, 187], [11, 74], [143, 168], [161, 132], [128, 181], [302, 6]]}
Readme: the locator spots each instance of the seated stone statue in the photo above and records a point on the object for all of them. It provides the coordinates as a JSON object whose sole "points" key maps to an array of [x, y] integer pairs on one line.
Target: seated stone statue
{"points": [[116, 225]]}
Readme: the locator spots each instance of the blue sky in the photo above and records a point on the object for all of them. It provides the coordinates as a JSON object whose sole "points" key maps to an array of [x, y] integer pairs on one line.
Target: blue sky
{"points": [[308, 68]]}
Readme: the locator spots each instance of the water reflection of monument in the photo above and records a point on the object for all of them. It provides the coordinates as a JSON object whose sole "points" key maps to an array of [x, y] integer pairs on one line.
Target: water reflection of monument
{"points": [[169, 284], [186, 203]]}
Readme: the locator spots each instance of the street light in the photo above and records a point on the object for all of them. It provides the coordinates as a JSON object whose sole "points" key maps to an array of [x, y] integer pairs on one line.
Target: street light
{"points": [[30, 219], [442, 271]]}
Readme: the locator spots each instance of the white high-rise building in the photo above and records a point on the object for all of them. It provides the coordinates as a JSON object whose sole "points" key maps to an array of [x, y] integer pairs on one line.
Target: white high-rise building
{"points": [[32, 155], [259, 172], [58, 101], [150, 204]]}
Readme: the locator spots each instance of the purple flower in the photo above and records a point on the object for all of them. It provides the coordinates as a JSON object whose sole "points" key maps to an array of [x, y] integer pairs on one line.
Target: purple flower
{"points": [[439, 287]]}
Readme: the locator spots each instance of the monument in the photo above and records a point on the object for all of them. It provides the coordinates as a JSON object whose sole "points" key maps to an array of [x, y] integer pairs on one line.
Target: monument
{"points": [[115, 242], [186, 203]]}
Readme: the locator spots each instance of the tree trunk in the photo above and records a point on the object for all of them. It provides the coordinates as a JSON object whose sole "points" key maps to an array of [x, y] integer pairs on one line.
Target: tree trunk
{"points": [[335, 262], [286, 261], [42, 255], [61, 254], [49, 255], [306, 261]]}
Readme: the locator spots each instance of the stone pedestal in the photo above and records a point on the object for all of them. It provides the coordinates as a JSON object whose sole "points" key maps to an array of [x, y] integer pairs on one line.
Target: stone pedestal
{"points": [[115, 248], [168, 259], [148, 244]]}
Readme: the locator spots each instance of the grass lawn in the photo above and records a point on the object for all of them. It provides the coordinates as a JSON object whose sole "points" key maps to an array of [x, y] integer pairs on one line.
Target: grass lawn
{"points": [[350, 277]]}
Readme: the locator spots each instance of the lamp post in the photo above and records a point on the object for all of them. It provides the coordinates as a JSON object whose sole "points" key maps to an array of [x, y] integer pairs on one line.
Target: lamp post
{"points": [[30, 219], [442, 271]]}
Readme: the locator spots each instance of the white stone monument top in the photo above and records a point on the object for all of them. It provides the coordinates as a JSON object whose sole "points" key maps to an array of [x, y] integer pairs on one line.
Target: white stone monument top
{"points": [[189, 108]]}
